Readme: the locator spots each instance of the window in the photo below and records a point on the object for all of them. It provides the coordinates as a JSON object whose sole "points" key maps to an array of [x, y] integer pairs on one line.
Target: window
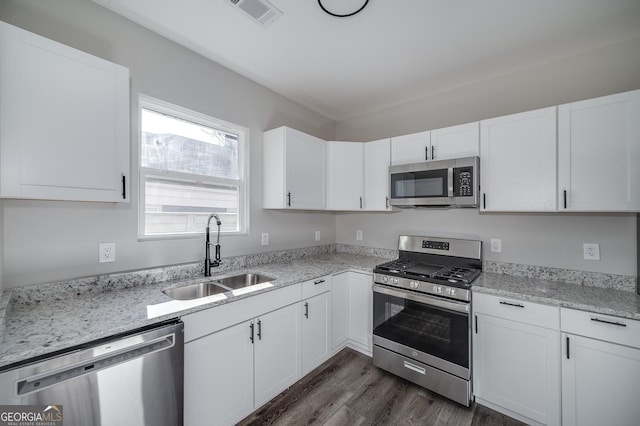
{"points": [[191, 165]]}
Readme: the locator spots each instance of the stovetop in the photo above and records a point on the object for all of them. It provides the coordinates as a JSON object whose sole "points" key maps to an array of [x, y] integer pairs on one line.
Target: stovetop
{"points": [[455, 276], [444, 267]]}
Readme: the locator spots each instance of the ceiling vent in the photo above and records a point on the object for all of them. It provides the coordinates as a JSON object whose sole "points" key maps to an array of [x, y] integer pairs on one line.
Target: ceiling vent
{"points": [[262, 11]]}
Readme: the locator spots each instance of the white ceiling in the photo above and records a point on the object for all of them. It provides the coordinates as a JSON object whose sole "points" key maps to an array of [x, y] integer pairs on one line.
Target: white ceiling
{"points": [[392, 52]]}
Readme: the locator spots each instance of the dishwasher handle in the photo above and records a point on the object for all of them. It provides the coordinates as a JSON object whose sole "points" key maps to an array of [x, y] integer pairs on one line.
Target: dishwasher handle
{"points": [[44, 380]]}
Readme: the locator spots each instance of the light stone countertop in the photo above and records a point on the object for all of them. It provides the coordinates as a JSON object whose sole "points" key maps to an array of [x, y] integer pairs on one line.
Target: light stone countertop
{"points": [[608, 301], [42, 320], [35, 326]]}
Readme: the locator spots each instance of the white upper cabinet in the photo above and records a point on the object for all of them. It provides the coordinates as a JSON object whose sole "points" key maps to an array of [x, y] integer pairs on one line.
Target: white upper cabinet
{"points": [[599, 154], [345, 174], [293, 170], [455, 141], [377, 157], [518, 162], [440, 144], [64, 121], [413, 148]]}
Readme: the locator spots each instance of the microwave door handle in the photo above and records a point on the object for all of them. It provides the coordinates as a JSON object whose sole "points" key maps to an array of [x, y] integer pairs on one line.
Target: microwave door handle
{"points": [[450, 182]]}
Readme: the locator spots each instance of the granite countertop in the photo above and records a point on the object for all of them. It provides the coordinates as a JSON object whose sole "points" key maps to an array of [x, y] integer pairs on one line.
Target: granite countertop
{"points": [[607, 301], [44, 319], [34, 327]]}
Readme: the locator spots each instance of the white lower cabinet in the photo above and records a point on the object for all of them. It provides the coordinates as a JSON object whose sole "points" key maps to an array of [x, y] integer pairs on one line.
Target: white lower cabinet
{"points": [[316, 331], [516, 365], [600, 378], [277, 354], [340, 310], [231, 368], [218, 377]]}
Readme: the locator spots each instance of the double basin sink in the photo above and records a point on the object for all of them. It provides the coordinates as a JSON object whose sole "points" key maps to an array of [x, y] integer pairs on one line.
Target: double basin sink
{"points": [[209, 288]]}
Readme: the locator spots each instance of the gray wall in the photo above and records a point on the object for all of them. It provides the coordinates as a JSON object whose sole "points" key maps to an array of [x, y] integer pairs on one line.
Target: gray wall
{"points": [[535, 239], [46, 241]]}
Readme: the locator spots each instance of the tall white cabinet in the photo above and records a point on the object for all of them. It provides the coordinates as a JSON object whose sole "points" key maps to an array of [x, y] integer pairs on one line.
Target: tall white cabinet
{"points": [[518, 162], [345, 175], [293, 170], [64, 121], [599, 154], [377, 158]]}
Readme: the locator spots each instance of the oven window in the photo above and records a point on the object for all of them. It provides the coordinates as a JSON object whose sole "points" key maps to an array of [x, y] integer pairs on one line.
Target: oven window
{"points": [[432, 183], [435, 331]]}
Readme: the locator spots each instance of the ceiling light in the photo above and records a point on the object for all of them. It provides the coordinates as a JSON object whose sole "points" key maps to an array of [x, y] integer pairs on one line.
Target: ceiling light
{"points": [[338, 15], [262, 11]]}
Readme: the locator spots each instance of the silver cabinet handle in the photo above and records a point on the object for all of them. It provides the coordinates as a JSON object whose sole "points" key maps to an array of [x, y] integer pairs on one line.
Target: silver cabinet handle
{"points": [[360, 202], [306, 309], [259, 330], [387, 202]]}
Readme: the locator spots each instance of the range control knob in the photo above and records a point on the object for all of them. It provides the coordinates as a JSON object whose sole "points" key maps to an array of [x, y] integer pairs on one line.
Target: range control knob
{"points": [[385, 279], [414, 284]]}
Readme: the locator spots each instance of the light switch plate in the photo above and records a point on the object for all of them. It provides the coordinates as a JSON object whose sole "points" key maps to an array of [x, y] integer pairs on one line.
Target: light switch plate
{"points": [[265, 239]]}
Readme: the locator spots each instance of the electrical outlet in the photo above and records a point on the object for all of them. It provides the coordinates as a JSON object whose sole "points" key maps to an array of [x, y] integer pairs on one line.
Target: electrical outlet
{"points": [[359, 235], [591, 251], [265, 239], [317, 235], [496, 245], [106, 252]]}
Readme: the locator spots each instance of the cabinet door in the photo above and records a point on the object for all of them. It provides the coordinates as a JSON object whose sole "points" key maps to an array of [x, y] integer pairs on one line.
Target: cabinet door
{"points": [[218, 377], [361, 310], [456, 141], [516, 368], [316, 331], [345, 175], [413, 148], [64, 121], [599, 154], [340, 309], [600, 383], [278, 355], [377, 157], [305, 171], [518, 162]]}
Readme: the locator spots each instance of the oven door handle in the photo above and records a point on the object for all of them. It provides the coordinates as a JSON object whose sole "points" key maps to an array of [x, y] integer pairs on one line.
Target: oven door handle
{"points": [[427, 300]]}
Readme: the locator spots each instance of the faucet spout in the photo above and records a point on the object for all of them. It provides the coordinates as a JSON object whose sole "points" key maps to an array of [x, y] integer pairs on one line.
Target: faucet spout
{"points": [[208, 263]]}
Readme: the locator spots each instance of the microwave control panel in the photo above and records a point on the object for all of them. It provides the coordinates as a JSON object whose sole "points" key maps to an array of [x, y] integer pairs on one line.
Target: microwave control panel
{"points": [[463, 182]]}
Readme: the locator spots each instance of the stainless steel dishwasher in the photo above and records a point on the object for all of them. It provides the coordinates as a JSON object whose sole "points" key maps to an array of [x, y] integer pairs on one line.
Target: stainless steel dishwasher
{"points": [[130, 379]]}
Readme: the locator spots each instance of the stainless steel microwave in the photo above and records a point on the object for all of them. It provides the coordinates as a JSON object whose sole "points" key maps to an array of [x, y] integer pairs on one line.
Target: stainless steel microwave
{"points": [[444, 183]]}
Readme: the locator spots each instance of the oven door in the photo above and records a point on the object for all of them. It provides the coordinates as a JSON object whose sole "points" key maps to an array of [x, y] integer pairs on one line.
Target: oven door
{"points": [[428, 329]]}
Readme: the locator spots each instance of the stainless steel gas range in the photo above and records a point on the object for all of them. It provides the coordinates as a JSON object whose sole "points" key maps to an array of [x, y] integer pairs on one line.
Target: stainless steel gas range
{"points": [[421, 313]]}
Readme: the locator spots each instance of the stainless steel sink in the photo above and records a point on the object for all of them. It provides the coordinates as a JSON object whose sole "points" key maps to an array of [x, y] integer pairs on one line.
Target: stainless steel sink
{"points": [[194, 291], [243, 280]]}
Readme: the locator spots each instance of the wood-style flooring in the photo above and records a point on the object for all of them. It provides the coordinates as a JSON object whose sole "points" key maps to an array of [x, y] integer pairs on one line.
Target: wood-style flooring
{"points": [[349, 390]]}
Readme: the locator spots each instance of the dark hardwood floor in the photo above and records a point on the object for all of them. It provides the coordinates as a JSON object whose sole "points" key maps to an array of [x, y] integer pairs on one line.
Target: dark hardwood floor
{"points": [[349, 390]]}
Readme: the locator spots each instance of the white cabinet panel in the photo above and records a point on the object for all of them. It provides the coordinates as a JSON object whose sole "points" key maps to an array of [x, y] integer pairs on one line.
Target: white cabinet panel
{"points": [[64, 121], [377, 158], [455, 141], [293, 170], [360, 310], [413, 148], [316, 331], [218, 377], [340, 309], [599, 154], [345, 174], [278, 355], [600, 383], [518, 161]]}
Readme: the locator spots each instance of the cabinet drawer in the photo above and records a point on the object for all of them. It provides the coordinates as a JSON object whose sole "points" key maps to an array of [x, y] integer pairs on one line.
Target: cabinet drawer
{"points": [[317, 286], [546, 316], [623, 331]]}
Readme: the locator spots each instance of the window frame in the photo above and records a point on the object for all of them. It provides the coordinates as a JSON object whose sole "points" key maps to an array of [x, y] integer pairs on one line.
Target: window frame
{"points": [[176, 111]]}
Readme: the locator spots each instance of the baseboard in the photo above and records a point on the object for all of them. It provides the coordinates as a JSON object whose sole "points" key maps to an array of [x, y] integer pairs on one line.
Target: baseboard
{"points": [[508, 412]]}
